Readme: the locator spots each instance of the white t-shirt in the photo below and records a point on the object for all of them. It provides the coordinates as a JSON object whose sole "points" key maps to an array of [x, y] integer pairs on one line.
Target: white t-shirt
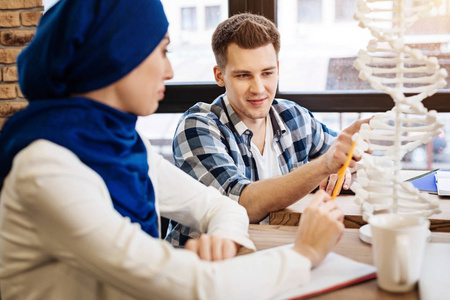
{"points": [[267, 163]]}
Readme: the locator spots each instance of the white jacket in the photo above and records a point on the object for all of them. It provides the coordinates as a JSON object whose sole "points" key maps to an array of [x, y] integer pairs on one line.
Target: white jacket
{"points": [[62, 239]]}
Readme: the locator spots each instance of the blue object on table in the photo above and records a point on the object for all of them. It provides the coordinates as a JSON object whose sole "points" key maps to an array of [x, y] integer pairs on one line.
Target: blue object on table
{"points": [[425, 182]]}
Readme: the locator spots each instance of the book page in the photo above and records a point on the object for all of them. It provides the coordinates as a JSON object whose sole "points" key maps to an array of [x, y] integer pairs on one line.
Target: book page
{"points": [[336, 271]]}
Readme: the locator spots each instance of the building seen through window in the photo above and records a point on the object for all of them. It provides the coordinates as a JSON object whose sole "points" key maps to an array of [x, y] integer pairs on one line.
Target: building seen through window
{"points": [[212, 16], [188, 18], [190, 37], [344, 9], [317, 54], [309, 11]]}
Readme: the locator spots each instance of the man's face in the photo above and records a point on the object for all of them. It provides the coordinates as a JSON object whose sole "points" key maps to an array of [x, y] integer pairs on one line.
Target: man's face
{"points": [[250, 78]]}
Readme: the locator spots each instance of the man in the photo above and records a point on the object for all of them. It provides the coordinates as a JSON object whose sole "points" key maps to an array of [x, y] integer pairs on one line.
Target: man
{"points": [[263, 152]]}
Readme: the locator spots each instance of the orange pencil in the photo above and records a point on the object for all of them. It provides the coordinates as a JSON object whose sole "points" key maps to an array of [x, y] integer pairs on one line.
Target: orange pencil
{"points": [[342, 171]]}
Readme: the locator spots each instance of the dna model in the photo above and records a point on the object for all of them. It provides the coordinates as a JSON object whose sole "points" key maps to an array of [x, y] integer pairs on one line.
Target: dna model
{"points": [[408, 76]]}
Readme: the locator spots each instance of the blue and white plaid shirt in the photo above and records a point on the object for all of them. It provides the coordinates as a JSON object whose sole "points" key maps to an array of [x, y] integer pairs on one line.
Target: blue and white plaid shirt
{"points": [[213, 145]]}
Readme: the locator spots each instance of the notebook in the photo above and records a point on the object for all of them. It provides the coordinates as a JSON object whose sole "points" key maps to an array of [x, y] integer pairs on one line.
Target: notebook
{"points": [[335, 272]]}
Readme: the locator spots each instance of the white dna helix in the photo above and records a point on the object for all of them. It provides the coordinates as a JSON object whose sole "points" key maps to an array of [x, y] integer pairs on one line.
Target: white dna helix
{"points": [[409, 77]]}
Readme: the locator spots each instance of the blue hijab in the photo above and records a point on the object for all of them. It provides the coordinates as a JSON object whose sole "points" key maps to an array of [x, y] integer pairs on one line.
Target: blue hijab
{"points": [[80, 46]]}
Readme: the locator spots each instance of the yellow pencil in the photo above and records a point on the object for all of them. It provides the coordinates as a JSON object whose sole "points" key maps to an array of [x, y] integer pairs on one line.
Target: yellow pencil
{"points": [[342, 171]]}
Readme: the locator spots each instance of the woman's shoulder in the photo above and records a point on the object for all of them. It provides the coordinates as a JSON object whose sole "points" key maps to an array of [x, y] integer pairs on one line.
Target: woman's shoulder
{"points": [[45, 151], [43, 157]]}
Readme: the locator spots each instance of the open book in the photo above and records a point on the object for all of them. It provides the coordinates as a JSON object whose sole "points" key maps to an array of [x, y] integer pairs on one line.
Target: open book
{"points": [[336, 271]]}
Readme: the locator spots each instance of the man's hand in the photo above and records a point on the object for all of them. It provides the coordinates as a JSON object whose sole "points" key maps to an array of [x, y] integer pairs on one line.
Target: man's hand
{"points": [[336, 155], [212, 248], [329, 183], [320, 228]]}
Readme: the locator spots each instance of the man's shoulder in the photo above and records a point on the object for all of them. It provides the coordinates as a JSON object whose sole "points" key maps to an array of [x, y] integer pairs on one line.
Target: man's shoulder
{"points": [[283, 106], [213, 110]]}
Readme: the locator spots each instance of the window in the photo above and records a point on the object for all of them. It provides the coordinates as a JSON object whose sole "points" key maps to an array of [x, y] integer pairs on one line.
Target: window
{"points": [[188, 18], [320, 41], [345, 9], [309, 10], [48, 4], [316, 66], [318, 56], [212, 17], [159, 129], [190, 47], [192, 60]]}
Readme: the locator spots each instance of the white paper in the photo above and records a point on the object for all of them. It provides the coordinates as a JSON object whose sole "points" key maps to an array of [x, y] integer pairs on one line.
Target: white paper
{"points": [[435, 276], [443, 182], [333, 271]]}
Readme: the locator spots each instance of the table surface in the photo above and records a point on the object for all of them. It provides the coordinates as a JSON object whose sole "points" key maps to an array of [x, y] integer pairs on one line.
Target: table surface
{"points": [[353, 218], [268, 236]]}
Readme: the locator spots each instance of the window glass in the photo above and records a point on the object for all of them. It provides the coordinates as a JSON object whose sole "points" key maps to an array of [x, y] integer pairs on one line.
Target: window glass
{"points": [[433, 155], [320, 41], [344, 9], [191, 24], [212, 16], [48, 4], [309, 10], [188, 18], [191, 57], [317, 55], [159, 129]]}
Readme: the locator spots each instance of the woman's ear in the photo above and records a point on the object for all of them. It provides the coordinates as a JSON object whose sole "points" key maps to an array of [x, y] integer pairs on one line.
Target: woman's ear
{"points": [[218, 76]]}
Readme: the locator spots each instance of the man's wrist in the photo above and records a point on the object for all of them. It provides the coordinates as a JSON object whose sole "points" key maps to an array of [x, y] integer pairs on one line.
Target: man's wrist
{"points": [[322, 166]]}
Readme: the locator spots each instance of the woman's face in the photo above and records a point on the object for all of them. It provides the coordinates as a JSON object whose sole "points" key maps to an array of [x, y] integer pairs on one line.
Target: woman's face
{"points": [[140, 91]]}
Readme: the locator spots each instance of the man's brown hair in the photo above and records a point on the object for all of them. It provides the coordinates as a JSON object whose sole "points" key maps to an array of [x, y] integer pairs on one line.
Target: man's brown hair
{"points": [[248, 31]]}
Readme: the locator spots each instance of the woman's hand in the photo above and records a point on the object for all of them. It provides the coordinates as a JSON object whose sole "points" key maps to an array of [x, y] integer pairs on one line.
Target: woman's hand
{"points": [[212, 248], [321, 227]]}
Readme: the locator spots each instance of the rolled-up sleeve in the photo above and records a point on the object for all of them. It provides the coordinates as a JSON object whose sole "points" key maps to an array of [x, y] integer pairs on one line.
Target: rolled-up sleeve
{"points": [[187, 201]]}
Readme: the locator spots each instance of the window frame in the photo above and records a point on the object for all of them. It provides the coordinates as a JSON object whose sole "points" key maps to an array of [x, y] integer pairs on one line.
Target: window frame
{"points": [[181, 96]]}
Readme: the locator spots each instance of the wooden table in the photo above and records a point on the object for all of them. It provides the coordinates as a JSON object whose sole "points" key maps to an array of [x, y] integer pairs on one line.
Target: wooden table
{"points": [[353, 218], [268, 236]]}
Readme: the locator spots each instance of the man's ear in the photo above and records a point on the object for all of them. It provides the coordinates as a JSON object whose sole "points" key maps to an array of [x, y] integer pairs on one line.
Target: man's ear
{"points": [[278, 67], [218, 76]]}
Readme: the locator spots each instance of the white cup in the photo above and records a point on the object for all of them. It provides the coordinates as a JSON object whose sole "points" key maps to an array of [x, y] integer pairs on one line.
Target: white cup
{"points": [[398, 245]]}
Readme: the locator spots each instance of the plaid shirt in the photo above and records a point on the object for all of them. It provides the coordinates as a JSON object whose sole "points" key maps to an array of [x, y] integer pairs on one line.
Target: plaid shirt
{"points": [[213, 145]]}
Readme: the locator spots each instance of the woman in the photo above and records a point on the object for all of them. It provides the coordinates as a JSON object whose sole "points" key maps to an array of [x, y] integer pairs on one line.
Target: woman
{"points": [[82, 191]]}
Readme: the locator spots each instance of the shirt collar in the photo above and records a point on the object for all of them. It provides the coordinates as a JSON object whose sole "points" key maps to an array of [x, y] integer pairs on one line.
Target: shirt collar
{"points": [[240, 127], [278, 125]]}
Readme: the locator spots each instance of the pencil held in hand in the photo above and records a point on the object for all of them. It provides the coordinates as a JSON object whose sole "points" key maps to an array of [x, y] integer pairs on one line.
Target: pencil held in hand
{"points": [[342, 171]]}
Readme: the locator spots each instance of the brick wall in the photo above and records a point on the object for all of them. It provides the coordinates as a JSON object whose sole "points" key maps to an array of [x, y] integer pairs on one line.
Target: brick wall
{"points": [[18, 21]]}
